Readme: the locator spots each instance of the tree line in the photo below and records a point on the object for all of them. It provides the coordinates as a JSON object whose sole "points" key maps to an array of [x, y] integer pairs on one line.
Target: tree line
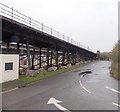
{"points": [[114, 57]]}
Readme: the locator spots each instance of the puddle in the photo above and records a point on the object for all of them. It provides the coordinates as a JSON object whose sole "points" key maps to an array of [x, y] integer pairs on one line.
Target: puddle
{"points": [[85, 72]]}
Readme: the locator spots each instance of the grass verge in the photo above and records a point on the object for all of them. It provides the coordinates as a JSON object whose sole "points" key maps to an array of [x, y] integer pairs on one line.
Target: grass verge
{"points": [[48, 74]]}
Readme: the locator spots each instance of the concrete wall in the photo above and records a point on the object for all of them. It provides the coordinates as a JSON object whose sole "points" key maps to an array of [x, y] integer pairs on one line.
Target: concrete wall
{"points": [[8, 75]]}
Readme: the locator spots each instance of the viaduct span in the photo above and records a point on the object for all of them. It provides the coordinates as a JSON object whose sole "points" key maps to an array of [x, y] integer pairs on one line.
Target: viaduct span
{"points": [[40, 45]]}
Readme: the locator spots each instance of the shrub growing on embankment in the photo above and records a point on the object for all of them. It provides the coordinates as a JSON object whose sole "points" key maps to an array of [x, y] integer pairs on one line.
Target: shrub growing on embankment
{"points": [[115, 69]]}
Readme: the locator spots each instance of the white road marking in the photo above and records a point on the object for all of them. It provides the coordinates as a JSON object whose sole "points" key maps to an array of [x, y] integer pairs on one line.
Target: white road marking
{"points": [[84, 87], [116, 104], [55, 102], [83, 75], [112, 89]]}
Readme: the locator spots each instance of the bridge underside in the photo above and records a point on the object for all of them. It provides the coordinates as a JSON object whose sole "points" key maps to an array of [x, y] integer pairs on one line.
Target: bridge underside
{"points": [[39, 49]]}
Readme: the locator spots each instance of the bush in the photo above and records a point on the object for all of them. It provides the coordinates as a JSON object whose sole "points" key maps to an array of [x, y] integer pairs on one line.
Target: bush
{"points": [[116, 53], [116, 61]]}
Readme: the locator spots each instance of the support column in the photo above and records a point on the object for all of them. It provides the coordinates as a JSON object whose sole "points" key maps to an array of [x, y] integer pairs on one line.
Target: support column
{"points": [[8, 46], [68, 58], [28, 54], [80, 57], [51, 58], [18, 48], [89, 58], [40, 53], [73, 58], [33, 57], [86, 58], [83, 58], [56, 58], [47, 57], [77, 56], [63, 57]]}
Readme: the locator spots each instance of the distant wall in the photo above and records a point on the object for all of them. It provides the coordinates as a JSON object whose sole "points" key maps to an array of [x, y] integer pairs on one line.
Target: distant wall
{"points": [[9, 67]]}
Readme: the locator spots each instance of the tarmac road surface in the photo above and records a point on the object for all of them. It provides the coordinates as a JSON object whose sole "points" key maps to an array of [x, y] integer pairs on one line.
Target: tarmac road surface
{"points": [[95, 90]]}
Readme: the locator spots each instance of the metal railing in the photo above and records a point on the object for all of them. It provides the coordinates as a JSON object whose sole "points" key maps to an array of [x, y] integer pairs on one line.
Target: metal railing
{"points": [[19, 17]]}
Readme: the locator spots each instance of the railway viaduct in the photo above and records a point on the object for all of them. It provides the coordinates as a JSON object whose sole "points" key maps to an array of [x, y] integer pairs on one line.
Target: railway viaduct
{"points": [[35, 41]]}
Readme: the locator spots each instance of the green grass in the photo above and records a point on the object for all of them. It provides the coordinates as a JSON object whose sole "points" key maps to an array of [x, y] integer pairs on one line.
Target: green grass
{"points": [[48, 74]]}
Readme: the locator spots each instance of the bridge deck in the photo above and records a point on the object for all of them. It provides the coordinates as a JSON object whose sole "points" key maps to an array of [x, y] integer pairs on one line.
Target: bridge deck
{"points": [[13, 31]]}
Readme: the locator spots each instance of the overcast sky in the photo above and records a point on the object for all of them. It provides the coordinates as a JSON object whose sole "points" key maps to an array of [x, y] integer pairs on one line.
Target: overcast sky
{"points": [[93, 23]]}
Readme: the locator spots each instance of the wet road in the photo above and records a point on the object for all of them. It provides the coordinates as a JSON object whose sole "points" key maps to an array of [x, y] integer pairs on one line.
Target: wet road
{"points": [[92, 91]]}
